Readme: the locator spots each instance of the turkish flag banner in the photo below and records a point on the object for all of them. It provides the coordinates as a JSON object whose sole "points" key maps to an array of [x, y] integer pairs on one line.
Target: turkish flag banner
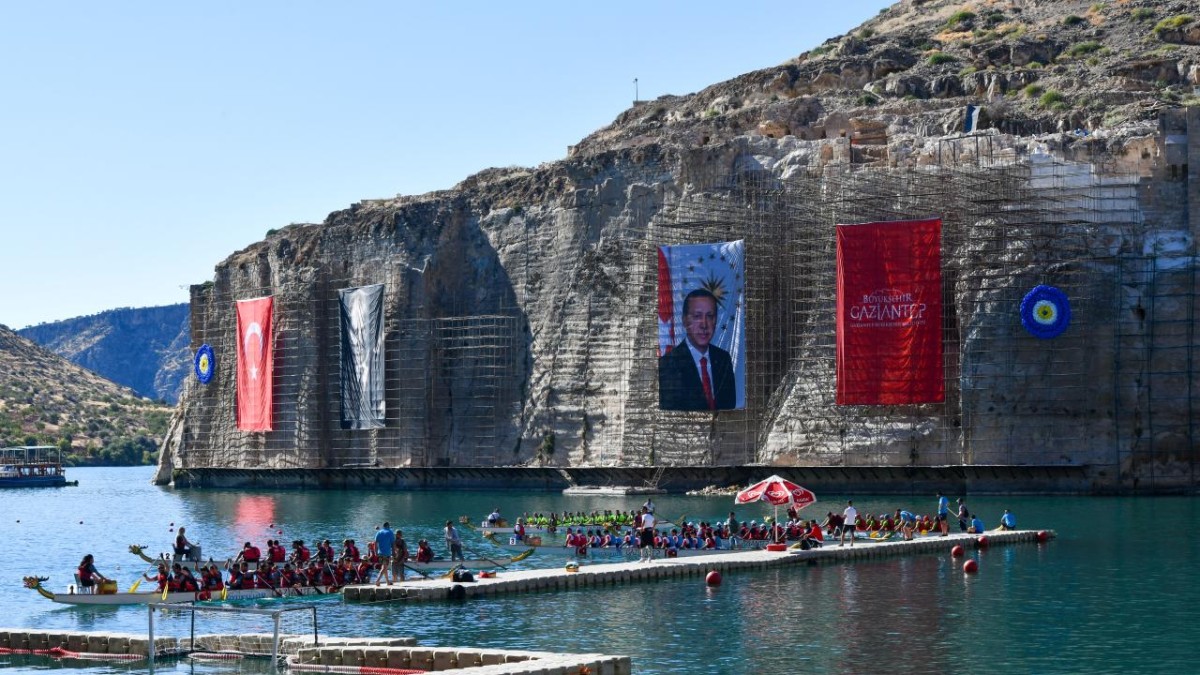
{"points": [[255, 364], [889, 313]]}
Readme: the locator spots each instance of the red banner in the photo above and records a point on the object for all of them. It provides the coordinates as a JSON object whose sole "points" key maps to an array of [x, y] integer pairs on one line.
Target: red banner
{"points": [[889, 313], [255, 364]]}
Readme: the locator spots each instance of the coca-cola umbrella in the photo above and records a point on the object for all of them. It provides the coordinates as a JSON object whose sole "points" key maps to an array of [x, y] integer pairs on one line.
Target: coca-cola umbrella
{"points": [[776, 491]]}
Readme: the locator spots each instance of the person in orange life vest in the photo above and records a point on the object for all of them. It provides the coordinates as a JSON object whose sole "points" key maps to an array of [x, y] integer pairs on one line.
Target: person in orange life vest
{"points": [[276, 553], [88, 576], [350, 551], [160, 576], [288, 577], [684, 371], [325, 551]]}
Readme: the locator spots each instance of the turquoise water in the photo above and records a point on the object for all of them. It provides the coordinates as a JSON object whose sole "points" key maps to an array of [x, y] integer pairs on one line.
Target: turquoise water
{"points": [[1114, 593]]}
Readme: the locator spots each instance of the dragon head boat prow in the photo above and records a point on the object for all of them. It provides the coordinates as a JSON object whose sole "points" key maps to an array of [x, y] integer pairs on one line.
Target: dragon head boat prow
{"points": [[36, 584], [140, 551]]}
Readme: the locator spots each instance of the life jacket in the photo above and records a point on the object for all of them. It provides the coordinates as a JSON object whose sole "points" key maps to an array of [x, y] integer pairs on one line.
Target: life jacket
{"points": [[278, 554], [303, 554], [180, 548], [251, 554], [352, 552], [85, 575], [424, 555], [188, 583]]}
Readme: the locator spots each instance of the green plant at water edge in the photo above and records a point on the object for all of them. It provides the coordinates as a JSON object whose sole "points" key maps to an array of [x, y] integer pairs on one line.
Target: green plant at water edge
{"points": [[1171, 23]]}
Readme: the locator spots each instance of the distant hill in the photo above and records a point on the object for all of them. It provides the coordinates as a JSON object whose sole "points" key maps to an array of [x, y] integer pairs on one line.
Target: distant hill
{"points": [[46, 399], [145, 349]]}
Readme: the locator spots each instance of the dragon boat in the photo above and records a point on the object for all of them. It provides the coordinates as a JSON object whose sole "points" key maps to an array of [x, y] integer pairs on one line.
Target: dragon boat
{"points": [[437, 564], [107, 594]]}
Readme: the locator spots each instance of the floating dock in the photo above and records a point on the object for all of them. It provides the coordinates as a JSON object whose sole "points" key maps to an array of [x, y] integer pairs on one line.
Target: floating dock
{"points": [[591, 575]]}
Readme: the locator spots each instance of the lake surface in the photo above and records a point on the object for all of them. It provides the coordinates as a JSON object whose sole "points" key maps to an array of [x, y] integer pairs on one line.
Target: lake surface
{"points": [[1115, 592]]}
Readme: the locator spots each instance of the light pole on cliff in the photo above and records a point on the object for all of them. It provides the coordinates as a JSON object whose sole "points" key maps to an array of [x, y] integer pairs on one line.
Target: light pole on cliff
{"points": [[635, 91]]}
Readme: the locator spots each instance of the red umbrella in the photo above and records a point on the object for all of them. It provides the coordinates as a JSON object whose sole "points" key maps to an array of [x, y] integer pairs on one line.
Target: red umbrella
{"points": [[776, 491]]}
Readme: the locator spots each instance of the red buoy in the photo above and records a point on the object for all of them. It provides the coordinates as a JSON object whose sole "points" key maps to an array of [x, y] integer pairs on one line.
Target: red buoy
{"points": [[981, 541], [1043, 536], [957, 551], [713, 578], [970, 566]]}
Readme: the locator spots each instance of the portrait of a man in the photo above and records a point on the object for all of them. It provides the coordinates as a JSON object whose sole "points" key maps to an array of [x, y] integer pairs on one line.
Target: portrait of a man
{"points": [[696, 374]]}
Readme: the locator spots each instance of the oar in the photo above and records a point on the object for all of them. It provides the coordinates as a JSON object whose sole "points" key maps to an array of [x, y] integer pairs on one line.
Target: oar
{"points": [[134, 587], [473, 553], [414, 569]]}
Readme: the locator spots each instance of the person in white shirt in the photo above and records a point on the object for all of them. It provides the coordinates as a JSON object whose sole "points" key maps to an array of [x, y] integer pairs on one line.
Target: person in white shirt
{"points": [[850, 516], [646, 550]]}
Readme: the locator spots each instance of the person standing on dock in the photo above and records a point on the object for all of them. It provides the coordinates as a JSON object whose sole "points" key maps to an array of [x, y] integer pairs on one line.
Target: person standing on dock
{"points": [[385, 541], [453, 542], [849, 518], [646, 550], [401, 555]]}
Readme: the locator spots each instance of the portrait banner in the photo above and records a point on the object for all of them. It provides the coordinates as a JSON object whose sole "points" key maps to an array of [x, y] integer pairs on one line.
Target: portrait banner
{"points": [[702, 326], [362, 378], [889, 313], [255, 364]]}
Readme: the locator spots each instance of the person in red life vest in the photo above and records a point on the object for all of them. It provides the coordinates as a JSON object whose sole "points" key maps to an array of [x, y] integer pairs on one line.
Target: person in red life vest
{"points": [[173, 582], [350, 551], [276, 553], [300, 553], [211, 578], [88, 576], [312, 574], [363, 569], [160, 576], [325, 551], [519, 530], [424, 553], [815, 532], [187, 582], [288, 577], [249, 553], [246, 578], [710, 542]]}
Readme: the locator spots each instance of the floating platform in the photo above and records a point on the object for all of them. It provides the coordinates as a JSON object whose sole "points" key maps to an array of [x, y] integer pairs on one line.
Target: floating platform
{"points": [[612, 490], [381, 656], [592, 575]]}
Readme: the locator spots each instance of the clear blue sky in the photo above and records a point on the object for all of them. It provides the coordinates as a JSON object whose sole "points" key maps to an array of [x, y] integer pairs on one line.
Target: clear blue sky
{"points": [[143, 142]]}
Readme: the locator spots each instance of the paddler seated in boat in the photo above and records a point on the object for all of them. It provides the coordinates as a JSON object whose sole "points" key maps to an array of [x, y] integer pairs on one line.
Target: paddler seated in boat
{"points": [[494, 517], [519, 530], [350, 551], [300, 553], [88, 576], [325, 551], [210, 578], [424, 552], [288, 577], [1008, 521], [187, 582], [160, 576], [249, 553], [276, 553]]}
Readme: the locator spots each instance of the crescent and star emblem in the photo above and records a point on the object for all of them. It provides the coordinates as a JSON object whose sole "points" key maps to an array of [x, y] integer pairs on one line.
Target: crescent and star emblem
{"points": [[252, 330]]}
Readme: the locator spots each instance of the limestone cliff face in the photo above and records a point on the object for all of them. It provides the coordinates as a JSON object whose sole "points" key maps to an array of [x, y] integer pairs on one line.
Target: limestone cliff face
{"points": [[521, 304]]}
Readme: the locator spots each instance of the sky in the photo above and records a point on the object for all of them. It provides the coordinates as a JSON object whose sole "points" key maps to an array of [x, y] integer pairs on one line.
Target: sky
{"points": [[144, 142]]}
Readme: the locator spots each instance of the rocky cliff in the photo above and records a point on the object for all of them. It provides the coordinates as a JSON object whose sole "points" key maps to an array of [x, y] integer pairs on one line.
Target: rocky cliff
{"points": [[145, 349], [521, 304]]}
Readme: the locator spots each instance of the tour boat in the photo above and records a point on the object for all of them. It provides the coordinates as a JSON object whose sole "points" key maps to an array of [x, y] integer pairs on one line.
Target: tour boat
{"points": [[32, 466]]}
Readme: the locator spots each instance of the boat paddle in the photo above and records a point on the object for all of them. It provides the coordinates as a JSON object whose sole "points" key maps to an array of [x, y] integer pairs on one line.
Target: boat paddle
{"points": [[134, 587], [481, 557]]}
